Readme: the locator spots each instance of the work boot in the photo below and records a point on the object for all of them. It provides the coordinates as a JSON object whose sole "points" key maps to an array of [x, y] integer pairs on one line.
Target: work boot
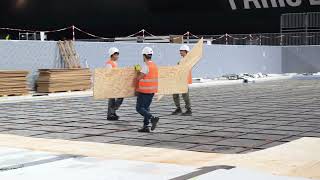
{"points": [[112, 118], [187, 113], [116, 116], [154, 122], [177, 111], [144, 129]]}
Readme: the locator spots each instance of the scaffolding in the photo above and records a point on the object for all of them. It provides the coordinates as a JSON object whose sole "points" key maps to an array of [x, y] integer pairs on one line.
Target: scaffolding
{"points": [[303, 26]]}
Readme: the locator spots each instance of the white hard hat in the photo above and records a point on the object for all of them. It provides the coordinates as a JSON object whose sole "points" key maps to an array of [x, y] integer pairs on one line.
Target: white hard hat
{"points": [[113, 50], [185, 48], [147, 50]]}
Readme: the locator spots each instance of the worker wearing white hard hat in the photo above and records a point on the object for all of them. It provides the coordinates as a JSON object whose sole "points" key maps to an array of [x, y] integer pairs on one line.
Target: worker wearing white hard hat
{"points": [[147, 51], [113, 57], [113, 104], [184, 49], [147, 86]]}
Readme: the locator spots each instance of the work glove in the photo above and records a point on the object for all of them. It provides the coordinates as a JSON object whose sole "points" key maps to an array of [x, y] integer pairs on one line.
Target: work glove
{"points": [[137, 67]]}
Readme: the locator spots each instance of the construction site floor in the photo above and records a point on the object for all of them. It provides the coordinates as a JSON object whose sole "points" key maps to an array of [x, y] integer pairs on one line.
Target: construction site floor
{"points": [[230, 119]]}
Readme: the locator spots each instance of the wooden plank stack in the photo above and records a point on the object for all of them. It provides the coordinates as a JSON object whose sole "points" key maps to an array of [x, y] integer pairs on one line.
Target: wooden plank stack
{"points": [[13, 83], [69, 54], [176, 39], [63, 80]]}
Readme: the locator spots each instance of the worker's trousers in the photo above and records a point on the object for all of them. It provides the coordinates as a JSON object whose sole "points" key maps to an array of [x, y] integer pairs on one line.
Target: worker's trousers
{"points": [[113, 105], [143, 107], [186, 98]]}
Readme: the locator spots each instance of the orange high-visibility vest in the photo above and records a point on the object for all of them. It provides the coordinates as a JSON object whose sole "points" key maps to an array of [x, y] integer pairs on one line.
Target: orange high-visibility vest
{"points": [[149, 83], [190, 78], [112, 63]]}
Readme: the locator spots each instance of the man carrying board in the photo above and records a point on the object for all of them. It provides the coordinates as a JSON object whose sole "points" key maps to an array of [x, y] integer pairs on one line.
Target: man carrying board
{"points": [[113, 104]]}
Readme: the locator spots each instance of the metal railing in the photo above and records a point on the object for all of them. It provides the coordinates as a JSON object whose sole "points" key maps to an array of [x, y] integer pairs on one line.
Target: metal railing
{"points": [[265, 39], [300, 22], [270, 39], [295, 29]]}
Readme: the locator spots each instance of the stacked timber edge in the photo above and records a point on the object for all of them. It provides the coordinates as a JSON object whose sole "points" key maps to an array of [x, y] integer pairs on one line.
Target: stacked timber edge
{"points": [[13, 83], [63, 80]]}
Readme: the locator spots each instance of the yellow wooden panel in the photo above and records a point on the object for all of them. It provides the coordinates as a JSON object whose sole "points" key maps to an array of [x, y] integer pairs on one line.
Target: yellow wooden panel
{"points": [[193, 57], [114, 83], [120, 82]]}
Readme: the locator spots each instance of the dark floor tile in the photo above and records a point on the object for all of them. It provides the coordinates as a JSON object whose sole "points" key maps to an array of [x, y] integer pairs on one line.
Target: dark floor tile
{"points": [[227, 134], [100, 139], [135, 142], [23, 132], [248, 143], [173, 145], [200, 139], [161, 136], [218, 149], [262, 136]]}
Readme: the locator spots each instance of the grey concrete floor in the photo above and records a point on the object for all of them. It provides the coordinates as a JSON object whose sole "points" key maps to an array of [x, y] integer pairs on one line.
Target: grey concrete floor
{"points": [[226, 119]]}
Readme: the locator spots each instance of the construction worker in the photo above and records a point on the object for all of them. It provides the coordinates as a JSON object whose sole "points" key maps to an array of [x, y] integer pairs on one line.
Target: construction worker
{"points": [[113, 104], [176, 98], [147, 86]]}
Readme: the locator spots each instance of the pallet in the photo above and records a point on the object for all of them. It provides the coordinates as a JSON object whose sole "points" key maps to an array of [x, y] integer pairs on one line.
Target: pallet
{"points": [[69, 91], [61, 91], [13, 94]]}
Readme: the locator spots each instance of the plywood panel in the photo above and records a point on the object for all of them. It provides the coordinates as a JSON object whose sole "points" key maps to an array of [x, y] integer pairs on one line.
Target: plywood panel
{"points": [[193, 57], [121, 83], [13, 79], [173, 80], [114, 83]]}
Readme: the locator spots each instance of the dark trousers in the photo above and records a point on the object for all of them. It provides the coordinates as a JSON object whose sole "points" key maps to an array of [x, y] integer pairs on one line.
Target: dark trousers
{"points": [[143, 107], [186, 98], [113, 105]]}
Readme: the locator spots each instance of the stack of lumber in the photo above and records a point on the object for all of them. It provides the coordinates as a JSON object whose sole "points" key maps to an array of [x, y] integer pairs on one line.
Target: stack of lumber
{"points": [[176, 39], [69, 54], [13, 83], [62, 80]]}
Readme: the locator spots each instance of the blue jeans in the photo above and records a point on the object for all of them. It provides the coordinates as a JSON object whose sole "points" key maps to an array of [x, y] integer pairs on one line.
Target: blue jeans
{"points": [[143, 107]]}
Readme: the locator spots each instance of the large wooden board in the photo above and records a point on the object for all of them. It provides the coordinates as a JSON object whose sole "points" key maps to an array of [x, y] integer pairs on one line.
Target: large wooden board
{"points": [[120, 82], [193, 57], [114, 83]]}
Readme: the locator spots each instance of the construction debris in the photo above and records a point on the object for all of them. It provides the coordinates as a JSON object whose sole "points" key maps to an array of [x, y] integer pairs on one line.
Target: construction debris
{"points": [[62, 80], [13, 83], [231, 76]]}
